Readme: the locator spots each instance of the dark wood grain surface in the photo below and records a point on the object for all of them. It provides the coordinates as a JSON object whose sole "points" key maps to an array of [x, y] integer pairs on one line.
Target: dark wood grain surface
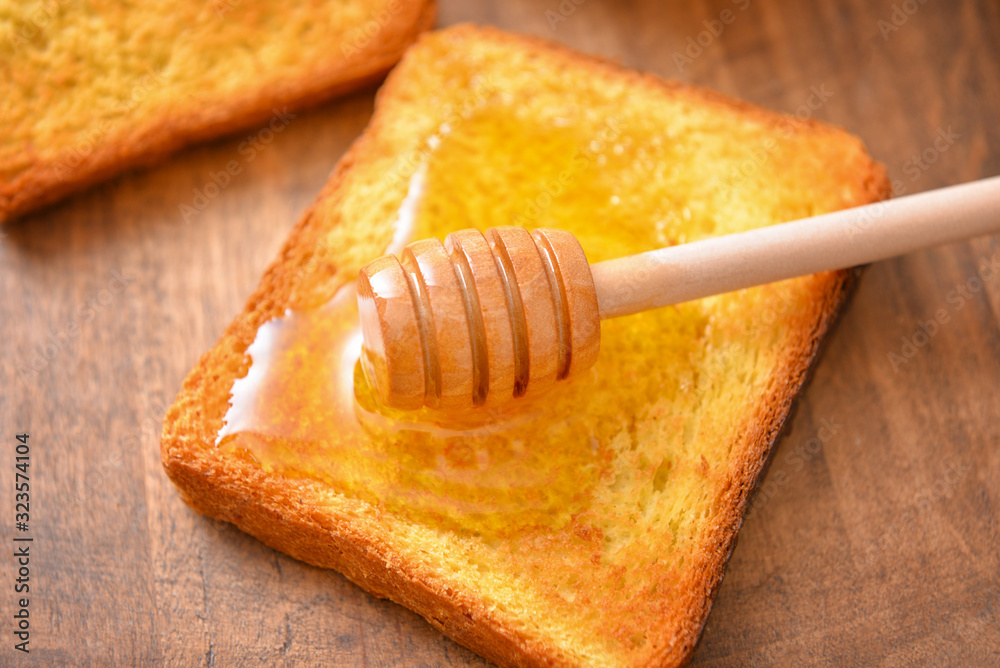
{"points": [[874, 539]]}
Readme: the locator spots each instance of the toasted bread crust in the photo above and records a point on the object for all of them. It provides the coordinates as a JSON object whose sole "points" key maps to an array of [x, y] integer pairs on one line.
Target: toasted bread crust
{"points": [[144, 143], [296, 516]]}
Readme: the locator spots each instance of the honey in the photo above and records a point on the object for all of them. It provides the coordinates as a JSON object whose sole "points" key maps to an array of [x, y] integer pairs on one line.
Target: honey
{"points": [[589, 457]]}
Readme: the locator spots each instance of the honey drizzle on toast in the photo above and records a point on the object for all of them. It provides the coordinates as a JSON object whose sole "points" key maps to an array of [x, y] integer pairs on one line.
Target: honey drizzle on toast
{"points": [[305, 409]]}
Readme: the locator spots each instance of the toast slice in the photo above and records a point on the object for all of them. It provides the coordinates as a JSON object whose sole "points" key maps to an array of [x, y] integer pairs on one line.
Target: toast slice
{"points": [[89, 90], [632, 497]]}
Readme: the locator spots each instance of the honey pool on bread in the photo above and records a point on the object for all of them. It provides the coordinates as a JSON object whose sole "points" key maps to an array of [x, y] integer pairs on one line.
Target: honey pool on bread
{"points": [[613, 470]]}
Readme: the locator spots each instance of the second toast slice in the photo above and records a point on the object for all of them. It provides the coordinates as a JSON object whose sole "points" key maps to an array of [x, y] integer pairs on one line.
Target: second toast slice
{"points": [[88, 90]]}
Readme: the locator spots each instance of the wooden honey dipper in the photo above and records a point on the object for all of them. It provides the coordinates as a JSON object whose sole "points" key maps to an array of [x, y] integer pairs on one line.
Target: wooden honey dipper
{"points": [[484, 318]]}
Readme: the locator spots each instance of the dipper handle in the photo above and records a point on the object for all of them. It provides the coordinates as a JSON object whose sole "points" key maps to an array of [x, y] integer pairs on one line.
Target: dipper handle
{"points": [[831, 241]]}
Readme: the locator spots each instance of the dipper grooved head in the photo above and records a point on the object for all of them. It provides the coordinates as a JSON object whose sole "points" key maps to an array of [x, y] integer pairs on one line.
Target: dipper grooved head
{"points": [[478, 320]]}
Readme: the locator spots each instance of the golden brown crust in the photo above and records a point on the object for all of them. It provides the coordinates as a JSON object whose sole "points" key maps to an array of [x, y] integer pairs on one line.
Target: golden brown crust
{"points": [[297, 517], [45, 182]]}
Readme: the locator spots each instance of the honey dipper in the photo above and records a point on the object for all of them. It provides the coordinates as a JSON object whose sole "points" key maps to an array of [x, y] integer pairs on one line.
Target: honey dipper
{"points": [[484, 318]]}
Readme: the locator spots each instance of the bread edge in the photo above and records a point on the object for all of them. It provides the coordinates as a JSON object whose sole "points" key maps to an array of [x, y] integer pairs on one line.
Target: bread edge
{"points": [[366, 561]]}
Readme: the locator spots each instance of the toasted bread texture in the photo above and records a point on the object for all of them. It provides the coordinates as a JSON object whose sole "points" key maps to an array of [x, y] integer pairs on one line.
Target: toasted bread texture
{"points": [[621, 568], [88, 89]]}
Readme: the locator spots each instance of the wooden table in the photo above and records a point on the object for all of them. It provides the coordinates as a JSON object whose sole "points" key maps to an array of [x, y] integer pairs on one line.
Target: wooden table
{"points": [[874, 538]]}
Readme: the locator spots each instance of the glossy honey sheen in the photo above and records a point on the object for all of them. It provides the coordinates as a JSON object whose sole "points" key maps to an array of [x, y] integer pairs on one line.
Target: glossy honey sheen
{"points": [[627, 429]]}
